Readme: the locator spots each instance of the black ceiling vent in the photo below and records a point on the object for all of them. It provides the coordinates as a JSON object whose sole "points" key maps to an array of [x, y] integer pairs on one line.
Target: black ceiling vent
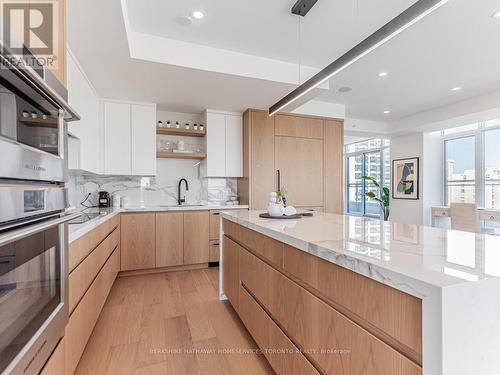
{"points": [[302, 7]]}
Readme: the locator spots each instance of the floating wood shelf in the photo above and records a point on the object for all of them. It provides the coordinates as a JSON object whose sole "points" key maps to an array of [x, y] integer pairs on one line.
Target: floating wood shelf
{"points": [[181, 155], [39, 122], [180, 131]]}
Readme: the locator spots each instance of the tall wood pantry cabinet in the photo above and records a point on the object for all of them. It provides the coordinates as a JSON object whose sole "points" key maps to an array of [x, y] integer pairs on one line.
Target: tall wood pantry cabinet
{"points": [[302, 154]]}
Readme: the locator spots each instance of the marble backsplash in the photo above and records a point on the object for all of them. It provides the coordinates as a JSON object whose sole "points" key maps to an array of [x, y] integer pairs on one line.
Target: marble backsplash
{"points": [[154, 191]]}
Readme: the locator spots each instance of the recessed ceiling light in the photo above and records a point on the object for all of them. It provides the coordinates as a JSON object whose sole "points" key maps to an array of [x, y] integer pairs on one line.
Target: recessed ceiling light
{"points": [[198, 14], [458, 88], [386, 112], [383, 74], [496, 15], [345, 89]]}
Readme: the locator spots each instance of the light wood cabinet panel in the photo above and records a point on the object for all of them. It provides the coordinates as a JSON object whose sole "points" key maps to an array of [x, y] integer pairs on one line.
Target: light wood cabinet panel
{"points": [[265, 246], [84, 317], [82, 247], [196, 237], [214, 224], [214, 251], [262, 176], [300, 162], [169, 239], [334, 187], [314, 325], [56, 365], [389, 310], [287, 359], [83, 275], [231, 281], [138, 241], [298, 126]]}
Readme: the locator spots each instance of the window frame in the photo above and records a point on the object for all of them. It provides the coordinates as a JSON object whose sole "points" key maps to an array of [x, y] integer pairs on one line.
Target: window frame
{"points": [[384, 145], [479, 159]]}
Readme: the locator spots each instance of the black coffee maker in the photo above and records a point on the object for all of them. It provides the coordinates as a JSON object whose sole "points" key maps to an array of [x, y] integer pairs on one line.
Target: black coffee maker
{"points": [[104, 199]]}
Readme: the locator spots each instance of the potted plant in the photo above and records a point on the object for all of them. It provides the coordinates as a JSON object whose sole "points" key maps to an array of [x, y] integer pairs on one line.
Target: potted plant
{"points": [[382, 198]]}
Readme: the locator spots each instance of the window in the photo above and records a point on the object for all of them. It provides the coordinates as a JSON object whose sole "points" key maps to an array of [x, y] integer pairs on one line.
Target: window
{"points": [[366, 158], [460, 170], [472, 164]]}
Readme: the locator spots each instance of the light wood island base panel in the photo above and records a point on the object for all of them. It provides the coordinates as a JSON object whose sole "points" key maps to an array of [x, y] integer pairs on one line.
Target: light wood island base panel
{"points": [[338, 321]]}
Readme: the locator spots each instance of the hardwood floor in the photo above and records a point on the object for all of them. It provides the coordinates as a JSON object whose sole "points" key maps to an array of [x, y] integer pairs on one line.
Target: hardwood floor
{"points": [[170, 323]]}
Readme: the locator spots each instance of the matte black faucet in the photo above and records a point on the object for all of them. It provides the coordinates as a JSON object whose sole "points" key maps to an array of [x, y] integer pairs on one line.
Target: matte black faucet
{"points": [[180, 200]]}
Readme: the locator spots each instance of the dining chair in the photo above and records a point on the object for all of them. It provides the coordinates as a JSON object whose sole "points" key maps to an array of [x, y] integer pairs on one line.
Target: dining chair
{"points": [[464, 217]]}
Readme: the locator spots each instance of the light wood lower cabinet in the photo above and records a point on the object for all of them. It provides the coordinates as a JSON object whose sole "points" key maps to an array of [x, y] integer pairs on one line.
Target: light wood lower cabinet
{"points": [[287, 358], [231, 271], [169, 239], [196, 237], [56, 365], [138, 239], [214, 251], [343, 323], [84, 317]]}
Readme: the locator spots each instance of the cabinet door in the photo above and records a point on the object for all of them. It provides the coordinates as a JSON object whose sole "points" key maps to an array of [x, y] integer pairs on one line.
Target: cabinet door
{"points": [[143, 139], [300, 162], [169, 239], [334, 145], [196, 237], [234, 146], [117, 154], [138, 241], [298, 126], [262, 172], [216, 144]]}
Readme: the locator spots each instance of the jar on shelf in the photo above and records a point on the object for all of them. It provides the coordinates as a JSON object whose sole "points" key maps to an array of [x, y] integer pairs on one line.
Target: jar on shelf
{"points": [[195, 126], [177, 125], [202, 127], [159, 124], [186, 126], [168, 124]]}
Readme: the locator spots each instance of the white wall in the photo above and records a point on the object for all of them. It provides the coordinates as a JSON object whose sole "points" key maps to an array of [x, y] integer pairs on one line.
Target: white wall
{"points": [[405, 210]]}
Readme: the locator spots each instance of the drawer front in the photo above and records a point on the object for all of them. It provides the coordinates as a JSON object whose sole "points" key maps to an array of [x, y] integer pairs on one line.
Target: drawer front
{"points": [[83, 275], [84, 317], [440, 212], [397, 314], [79, 249], [214, 251], [316, 326], [56, 365], [214, 224], [269, 248], [283, 356], [489, 216]]}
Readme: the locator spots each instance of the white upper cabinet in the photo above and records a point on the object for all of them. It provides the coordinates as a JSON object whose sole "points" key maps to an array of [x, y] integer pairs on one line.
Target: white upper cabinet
{"points": [[234, 144], [143, 139], [224, 145], [129, 138], [117, 135], [82, 96], [216, 138]]}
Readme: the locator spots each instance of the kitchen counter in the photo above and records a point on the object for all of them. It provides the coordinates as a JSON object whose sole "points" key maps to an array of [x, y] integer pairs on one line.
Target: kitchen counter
{"points": [[78, 230], [455, 274]]}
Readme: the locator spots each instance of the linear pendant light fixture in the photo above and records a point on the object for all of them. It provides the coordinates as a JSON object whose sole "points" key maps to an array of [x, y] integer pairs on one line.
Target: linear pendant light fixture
{"points": [[397, 25]]}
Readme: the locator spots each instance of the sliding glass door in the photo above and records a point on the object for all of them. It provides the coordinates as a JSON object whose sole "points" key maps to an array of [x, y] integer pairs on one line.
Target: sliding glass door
{"points": [[362, 159]]}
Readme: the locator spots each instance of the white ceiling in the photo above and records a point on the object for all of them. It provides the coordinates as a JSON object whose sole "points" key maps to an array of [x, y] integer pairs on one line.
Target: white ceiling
{"points": [[455, 46]]}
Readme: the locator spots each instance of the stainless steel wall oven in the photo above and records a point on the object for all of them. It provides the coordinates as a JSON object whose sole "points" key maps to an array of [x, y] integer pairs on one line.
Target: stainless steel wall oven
{"points": [[33, 218]]}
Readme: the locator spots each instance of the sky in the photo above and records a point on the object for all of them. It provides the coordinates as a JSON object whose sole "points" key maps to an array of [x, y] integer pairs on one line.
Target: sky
{"points": [[462, 151]]}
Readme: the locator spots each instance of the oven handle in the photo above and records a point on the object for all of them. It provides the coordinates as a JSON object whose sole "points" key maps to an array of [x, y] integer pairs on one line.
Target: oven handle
{"points": [[19, 234]]}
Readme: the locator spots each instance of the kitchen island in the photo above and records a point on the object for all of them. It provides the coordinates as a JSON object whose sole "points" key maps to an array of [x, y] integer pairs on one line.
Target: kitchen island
{"points": [[350, 295]]}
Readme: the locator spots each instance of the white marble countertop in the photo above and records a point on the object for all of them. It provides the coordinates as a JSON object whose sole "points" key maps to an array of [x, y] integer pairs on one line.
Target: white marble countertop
{"points": [[78, 230], [432, 256], [455, 274]]}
